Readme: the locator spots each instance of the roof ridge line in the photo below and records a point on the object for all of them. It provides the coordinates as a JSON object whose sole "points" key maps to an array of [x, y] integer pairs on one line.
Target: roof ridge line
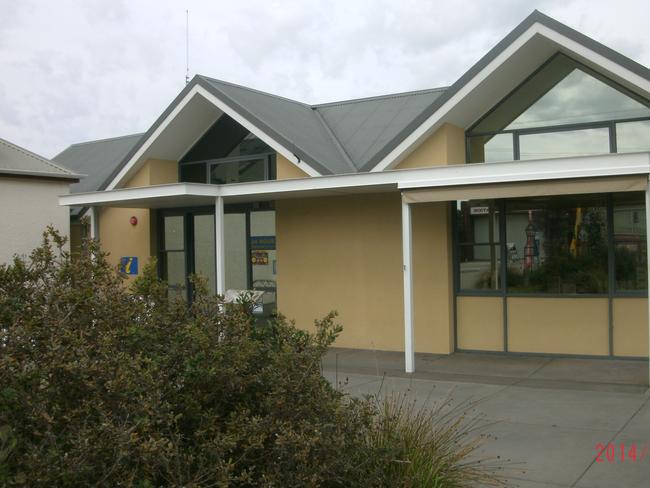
{"points": [[38, 157], [107, 139], [337, 143], [379, 97], [261, 92]]}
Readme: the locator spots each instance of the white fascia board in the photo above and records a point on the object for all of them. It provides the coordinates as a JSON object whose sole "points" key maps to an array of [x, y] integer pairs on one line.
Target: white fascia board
{"points": [[538, 170], [393, 158], [198, 90], [129, 194], [461, 174]]}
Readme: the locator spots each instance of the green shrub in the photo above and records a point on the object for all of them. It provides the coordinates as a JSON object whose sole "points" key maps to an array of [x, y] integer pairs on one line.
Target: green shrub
{"points": [[105, 386]]}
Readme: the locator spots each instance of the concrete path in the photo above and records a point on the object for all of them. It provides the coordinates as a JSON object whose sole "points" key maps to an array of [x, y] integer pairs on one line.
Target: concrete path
{"points": [[547, 414]]}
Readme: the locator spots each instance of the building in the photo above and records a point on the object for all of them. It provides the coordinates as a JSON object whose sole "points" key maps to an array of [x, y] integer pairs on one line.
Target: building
{"points": [[504, 213], [30, 186]]}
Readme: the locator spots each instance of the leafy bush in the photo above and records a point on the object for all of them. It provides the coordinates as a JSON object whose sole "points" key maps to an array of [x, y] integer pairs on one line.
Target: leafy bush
{"points": [[105, 386]]}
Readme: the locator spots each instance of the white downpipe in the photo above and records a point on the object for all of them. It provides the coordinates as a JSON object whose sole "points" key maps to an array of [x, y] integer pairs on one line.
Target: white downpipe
{"points": [[407, 252], [219, 246], [647, 226]]}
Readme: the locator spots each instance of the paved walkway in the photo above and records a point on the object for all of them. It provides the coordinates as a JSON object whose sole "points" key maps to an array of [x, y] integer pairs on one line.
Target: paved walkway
{"points": [[547, 414]]}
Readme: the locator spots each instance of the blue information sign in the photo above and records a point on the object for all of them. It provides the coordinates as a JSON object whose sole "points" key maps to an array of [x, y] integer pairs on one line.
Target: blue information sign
{"points": [[262, 243], [129, 265]]}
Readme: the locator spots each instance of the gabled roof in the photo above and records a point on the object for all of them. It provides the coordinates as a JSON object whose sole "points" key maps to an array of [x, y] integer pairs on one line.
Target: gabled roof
{"points": [[372, 134], [97, 159], [15, 160]]}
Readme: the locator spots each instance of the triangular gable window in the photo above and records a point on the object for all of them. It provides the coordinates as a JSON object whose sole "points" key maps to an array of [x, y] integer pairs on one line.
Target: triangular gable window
{"points": [[563, 110], [228, 153]]}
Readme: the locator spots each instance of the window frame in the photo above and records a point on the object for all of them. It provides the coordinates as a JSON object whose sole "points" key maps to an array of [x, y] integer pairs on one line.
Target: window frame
{"points": [[516, 133], [268, 157], [503, 291]]}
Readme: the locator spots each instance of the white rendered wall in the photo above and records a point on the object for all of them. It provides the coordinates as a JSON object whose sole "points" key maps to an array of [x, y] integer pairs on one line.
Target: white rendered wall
{"points": [[27, 206]]}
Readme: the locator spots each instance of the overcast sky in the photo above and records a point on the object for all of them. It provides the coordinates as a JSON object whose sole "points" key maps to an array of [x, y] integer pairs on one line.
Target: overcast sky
{"points": [[72, 71]]}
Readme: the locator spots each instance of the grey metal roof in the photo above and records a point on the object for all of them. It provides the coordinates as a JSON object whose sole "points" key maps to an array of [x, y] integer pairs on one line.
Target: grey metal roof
{"points": [[365, 126], [97, 159], [333, 138], [16, 160]]}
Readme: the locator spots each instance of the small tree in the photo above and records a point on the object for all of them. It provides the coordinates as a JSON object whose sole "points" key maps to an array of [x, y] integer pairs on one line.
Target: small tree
{"points": [[105, 386]]}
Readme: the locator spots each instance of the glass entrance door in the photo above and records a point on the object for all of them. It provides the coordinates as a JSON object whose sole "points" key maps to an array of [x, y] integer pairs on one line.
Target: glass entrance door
{"points": [[187, 247]]}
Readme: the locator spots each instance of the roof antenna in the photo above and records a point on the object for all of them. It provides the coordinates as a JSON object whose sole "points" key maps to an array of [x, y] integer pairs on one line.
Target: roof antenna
{"points": [[187, 46]]}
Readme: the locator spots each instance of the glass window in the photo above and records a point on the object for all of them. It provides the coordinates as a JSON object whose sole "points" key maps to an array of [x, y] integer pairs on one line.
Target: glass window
{"points": [[489, 149], [249, 146], [194, 173], [557, 245], [479, 253], [564, 144], [204, 249], [173, 254], [633, 136], [238, 171], [630, 242], [561, 92], [264, 257]]}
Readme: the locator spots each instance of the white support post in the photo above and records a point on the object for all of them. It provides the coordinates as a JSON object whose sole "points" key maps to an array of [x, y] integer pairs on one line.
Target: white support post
{"points": [[647, 226], [93, 221], [407, 259], [219, 246]]}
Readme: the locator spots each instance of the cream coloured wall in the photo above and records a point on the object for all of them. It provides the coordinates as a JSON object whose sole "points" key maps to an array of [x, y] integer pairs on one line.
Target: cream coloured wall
{"points": [[630, 326], [286, 170], [344, 254], [558, 325], [29, 205], [116, 234], [444, 146], [479, 323]]}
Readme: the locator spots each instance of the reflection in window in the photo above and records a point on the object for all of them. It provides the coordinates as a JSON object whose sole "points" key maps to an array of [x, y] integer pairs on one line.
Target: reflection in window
{"points": [[489, 149], [479, 253], [633, 136], [630, 242], [564, 144], [562, 95], [238, 171], [557, 245]]}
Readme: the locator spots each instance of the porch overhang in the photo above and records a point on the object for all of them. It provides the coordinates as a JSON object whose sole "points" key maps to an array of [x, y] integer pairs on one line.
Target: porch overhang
{"points": [[453, 182]]}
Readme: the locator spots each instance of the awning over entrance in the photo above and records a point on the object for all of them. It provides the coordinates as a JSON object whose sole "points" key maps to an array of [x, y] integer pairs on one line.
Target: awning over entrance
{"points": [[528, 189]]}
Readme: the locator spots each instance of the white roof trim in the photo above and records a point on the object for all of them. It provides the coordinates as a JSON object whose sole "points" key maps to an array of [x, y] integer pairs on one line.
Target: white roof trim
{"points": [[461, 174], [394, 157], [198, 90]]}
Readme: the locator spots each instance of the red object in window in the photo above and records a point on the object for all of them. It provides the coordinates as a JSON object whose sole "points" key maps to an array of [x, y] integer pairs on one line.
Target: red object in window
{"points": [[133, 220]]}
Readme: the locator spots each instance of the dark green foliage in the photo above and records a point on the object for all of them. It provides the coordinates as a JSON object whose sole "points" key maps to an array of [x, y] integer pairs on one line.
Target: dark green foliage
{"points": [[105, 386]]}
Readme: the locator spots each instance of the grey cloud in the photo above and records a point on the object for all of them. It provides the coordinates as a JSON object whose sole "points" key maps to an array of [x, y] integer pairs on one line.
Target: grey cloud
{"points": [[74, 71]]}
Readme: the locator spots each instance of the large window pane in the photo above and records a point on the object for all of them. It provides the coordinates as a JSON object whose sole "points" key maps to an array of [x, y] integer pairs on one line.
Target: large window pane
{"points": [[633, 136], [479, 254], [194, 173], [557, 245], [480, 266], [630, 242], [562, 92], [174, 233], [238, 171], [564, 144], [204, 249], [174, 272]]}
